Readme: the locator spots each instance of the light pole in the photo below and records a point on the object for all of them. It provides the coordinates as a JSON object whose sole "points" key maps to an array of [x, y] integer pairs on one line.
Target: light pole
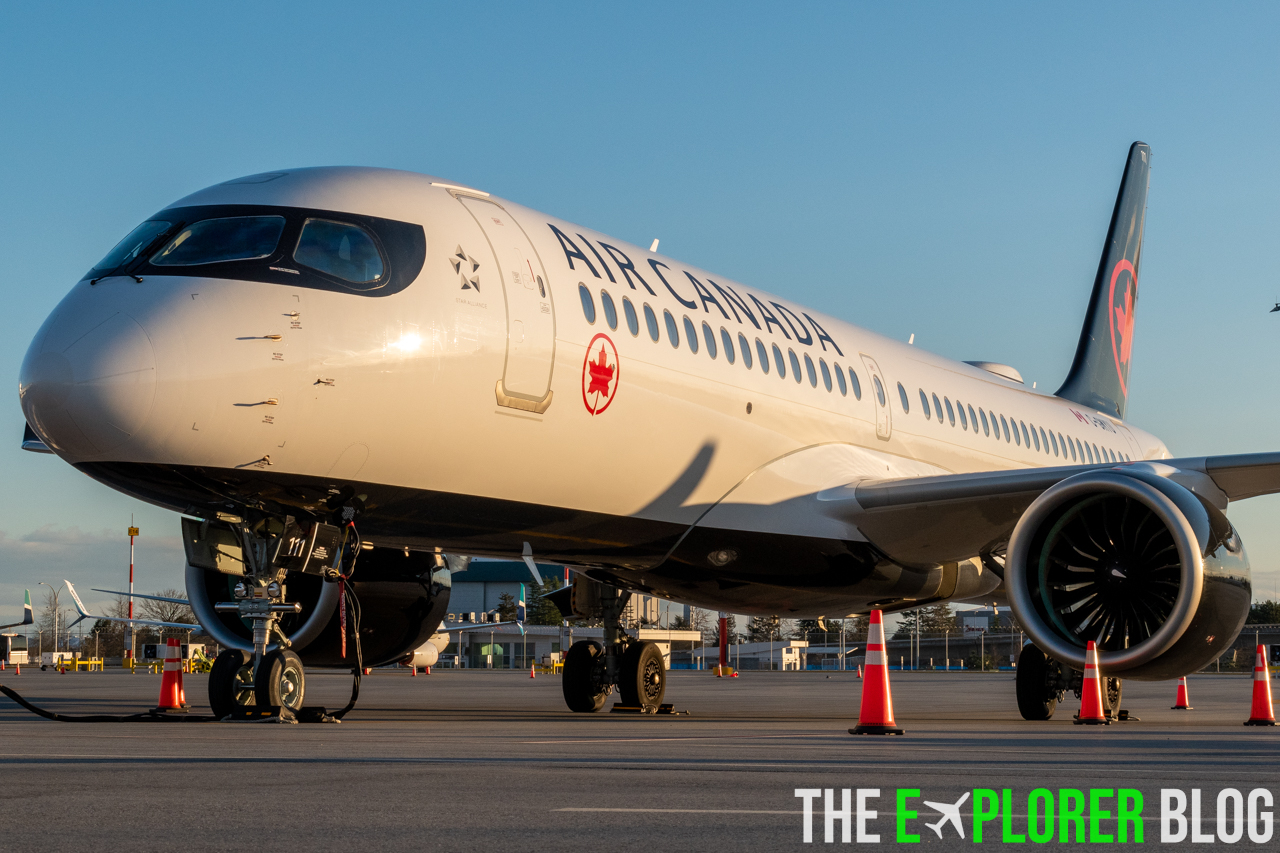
{"points": [[133, 634]]}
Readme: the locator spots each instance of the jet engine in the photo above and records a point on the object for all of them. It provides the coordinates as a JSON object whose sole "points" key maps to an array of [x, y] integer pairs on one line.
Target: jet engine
{"points": [[403, 598], [1148, 569]]}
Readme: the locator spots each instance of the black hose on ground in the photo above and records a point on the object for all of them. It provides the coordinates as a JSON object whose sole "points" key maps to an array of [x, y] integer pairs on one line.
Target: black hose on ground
{"points": [[147, 717]]}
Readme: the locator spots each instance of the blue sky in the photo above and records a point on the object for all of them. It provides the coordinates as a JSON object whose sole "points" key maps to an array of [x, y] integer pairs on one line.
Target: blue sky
{"points": [[940, 169]]}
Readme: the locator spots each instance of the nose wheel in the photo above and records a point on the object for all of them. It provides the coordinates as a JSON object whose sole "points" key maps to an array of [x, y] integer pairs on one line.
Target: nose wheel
{"points": [[280, 681], [230, 682]]}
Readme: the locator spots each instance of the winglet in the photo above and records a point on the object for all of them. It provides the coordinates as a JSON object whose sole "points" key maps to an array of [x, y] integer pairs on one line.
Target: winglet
{"points": [[84, 614], [27, 617], [527, 556]]}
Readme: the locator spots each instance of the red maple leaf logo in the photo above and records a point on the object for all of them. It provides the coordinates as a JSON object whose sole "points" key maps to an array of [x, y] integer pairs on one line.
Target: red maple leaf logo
{"points": [[1124, 322], [601, 375]]}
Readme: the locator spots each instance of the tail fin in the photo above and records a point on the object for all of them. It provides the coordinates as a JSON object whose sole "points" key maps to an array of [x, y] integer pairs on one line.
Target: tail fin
{"points": [[27, 617], [1099, 375]]}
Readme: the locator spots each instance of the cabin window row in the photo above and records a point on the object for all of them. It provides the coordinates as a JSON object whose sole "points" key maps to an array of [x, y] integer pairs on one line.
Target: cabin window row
{"points": [[769, 357], [1011, 430]]}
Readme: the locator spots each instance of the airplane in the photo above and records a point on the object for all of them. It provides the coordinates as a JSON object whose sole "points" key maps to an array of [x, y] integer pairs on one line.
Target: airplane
{"points": [[149, 623], [27, 616], [344, 379], [950, 814]]}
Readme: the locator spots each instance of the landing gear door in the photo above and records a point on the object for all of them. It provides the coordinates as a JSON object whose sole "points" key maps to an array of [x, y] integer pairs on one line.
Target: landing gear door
{"points": [[531, 323], [879, 398]]}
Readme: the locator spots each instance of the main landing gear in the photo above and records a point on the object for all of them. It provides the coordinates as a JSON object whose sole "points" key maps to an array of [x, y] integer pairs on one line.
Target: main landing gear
{"points": [[1043, 682], [592, 670]]}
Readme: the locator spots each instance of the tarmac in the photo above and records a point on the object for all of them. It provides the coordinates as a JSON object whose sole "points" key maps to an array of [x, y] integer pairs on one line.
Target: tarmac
{"points": [[475, 760]]}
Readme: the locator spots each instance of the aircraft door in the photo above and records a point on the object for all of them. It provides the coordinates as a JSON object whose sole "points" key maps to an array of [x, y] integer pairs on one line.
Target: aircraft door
{"points": [[879, 398], [531, 324]]}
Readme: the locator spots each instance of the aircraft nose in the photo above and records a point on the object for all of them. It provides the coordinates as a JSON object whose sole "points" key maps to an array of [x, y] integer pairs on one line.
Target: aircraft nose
{"points": [[88, 383]]}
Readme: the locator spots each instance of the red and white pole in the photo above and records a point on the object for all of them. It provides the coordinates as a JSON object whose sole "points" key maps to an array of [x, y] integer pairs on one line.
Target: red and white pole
{"points": [[133, 531]]}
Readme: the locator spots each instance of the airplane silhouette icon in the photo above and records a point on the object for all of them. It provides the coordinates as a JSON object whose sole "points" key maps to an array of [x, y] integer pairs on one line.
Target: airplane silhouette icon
{"points": [[950, 814]]}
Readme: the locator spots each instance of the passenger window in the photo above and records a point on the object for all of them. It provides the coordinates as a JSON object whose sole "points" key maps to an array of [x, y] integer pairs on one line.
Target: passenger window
{"points": [[727, 340], [875, 380], [964, 422], [1025, 438], [1017, 436], [691, 335], [651, 321], [951, 415], [795, 366], [763, 354], [937, 407], [1044, 440], [610, 312], [633, 322], [1035, 437], [673, 332], [1075, 446], [1097, 454], [342, 250], [906, 401], [982, 414], [857, 386], [709, 338], [973, 419], [1054, 439], [234, 238], [844, 386], [745, 349], [826, 374], [810, 372], [924, 404], [778, 363], [588, 304], [1005, 425]]}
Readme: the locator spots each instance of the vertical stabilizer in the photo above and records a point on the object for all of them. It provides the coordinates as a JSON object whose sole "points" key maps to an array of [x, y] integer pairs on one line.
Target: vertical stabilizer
{"points": [[1099, 375]]}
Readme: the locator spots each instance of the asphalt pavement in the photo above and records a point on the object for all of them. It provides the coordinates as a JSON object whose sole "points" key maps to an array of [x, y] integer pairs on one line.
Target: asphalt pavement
{"points": [[473, 760]]}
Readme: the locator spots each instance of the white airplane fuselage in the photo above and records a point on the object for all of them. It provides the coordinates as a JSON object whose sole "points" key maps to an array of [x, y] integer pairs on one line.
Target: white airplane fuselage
{"points": [[464, 406]]}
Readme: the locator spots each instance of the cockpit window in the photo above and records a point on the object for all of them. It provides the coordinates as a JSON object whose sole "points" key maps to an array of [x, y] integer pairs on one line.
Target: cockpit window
{"points": [[128, 249], [339, 249], [211, 241]]}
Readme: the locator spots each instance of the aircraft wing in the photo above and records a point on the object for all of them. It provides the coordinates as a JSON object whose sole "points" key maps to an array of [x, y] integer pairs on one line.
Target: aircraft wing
{"points": [[27, 616], [942, 519], [140, 595], [155, 623]]}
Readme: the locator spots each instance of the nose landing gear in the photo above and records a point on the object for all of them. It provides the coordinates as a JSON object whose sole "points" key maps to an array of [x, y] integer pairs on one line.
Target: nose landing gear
{"points": [[273, 675]]}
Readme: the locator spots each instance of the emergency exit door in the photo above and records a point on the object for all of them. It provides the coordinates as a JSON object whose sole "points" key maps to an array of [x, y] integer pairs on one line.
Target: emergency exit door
{"points": [[531, 324]]}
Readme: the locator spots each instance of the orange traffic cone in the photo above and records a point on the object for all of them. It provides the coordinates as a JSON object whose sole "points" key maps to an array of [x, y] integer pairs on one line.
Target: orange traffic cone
{"points": [[1261, 713], [1184, 702], [414, 670], [172, 696], [531, 674], [427, 670], [876, 715], [1091, 691], [17, 669]]}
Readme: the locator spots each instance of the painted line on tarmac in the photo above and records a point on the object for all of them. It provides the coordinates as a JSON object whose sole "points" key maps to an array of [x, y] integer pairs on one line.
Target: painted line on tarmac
{"points": [[685, 811], [686, 737]]}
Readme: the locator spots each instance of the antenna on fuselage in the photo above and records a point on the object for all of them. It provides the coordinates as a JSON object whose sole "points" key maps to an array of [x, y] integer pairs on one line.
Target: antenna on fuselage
{"points": [[654, 247]]}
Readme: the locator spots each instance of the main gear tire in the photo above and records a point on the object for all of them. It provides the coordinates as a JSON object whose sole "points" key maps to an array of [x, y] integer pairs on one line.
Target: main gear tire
{"points": [[581, 679], [230, 682], [1112, 689], [643, 679], [1037, 700], [281, 680]]}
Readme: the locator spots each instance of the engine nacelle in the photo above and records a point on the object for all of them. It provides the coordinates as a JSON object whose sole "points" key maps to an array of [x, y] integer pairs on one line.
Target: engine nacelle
{"points": [[427, 654], [403, 599], [1150, 571]]}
